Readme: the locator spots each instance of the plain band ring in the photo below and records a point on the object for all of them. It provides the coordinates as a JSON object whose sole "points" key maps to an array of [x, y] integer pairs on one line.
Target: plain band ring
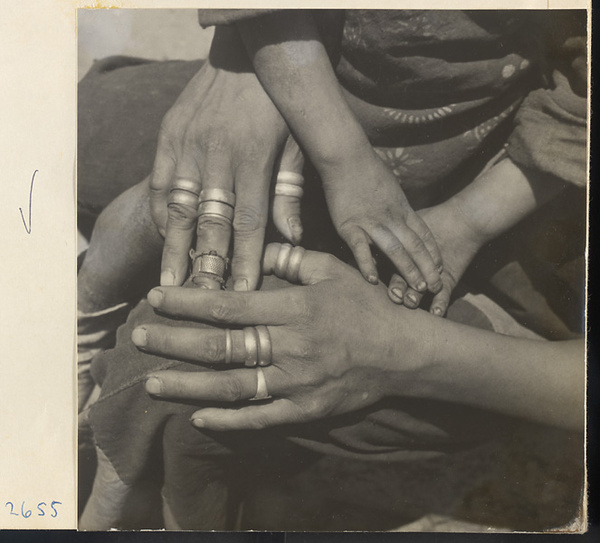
{"points": [[287, 189], [228, 346], [283, 258], [183, 197], [188, 185], [293, 267], [218, 209], [262, 392], [265, 347], [251, 346], [218, 195], [290, 178]]}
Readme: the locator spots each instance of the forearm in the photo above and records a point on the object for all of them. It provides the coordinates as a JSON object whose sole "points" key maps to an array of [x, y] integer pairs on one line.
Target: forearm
{"points": [[500, 198], [293, 66], [540, 380]]}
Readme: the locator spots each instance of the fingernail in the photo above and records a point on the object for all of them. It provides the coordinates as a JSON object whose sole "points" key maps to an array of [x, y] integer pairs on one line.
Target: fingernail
{"points": [[240, 285], [167, 279], [372, 279], [139, 337], [155, 297], [440, 268], [153, 386], [412, 299], [198, 422], [437, 311], [398, 293], [422, 285], [296, 229]]}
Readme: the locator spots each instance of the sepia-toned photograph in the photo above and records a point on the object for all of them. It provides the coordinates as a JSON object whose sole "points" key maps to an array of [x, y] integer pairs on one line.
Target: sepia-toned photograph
{"points": [[332, 270]]}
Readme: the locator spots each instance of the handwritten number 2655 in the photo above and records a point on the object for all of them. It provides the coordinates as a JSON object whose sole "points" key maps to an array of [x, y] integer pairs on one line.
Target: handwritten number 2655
{"points": [[26, 513]]}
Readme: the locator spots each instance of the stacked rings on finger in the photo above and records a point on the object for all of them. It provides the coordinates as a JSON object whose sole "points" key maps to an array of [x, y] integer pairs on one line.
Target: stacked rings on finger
{"points": [[289, 184], [256, 347], [287, 262], [184, 192], [218, 203]]}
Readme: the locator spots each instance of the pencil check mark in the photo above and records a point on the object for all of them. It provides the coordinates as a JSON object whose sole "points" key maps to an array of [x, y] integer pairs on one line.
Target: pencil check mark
{"points": [[27, 224]]}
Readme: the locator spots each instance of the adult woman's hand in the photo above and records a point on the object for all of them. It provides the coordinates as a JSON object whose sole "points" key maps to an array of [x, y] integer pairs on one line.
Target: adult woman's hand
{"points": [[330, 343], [222, 133], [337, 344]]}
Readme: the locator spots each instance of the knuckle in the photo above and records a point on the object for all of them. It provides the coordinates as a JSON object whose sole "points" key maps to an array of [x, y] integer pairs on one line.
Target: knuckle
{"points": [[181, 214], [247, 220], [231, 390], [213, 350], [223, 313]]}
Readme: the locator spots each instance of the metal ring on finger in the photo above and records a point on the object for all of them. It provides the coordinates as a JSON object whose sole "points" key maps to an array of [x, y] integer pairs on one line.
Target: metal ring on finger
{"points": [[209, 264], [187, 185], [262, 392], [218, 195], [289, 184]]}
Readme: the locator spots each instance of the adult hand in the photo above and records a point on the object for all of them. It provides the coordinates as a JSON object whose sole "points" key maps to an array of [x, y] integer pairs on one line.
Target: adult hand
{"points": [[367, 205], [222, 133], [458, 246], [335, 344]]}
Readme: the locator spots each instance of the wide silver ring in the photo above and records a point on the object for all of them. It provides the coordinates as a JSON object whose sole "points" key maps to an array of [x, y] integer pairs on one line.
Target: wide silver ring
{"points": [[216, 209], [293, 268], [251, 347], [218, 195], [262, 392], [228, 346], [187, 185], [183, 197], [265, 347], [287, 189], [290, 178]]}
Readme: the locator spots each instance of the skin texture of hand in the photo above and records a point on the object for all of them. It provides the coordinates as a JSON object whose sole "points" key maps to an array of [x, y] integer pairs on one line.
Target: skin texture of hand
{"points": [[365, 201], [489, 206], [330, 350], [368, 206], [223, 132], [458, 247], [338, 345]]}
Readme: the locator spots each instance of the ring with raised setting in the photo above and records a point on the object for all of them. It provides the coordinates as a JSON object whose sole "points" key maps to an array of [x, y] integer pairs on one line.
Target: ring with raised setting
{"points": [[283, 258], [251, 346], [293, 268], [218, 195], [265, 347], [262, 392], [287, 189], [291, 178]]}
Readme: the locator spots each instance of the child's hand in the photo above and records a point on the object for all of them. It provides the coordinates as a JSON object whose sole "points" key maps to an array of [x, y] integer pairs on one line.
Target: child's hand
{"points": [[367, 205], [458, 246]]}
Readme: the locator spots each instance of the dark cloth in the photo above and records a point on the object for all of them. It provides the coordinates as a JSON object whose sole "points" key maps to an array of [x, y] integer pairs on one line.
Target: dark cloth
{"points": [[431, 86]]}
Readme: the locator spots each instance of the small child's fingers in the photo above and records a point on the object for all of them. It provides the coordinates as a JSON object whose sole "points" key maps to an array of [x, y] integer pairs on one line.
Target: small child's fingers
{"points": [[397, 289], [286, 216], [393, 247], [418, 252], [419, 226], [412, 298], [440, 302], [358, 241]]}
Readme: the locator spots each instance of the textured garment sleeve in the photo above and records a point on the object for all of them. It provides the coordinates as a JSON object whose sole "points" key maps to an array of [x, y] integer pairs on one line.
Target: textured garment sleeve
{"points": [[550, 132], [212, 17]]}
